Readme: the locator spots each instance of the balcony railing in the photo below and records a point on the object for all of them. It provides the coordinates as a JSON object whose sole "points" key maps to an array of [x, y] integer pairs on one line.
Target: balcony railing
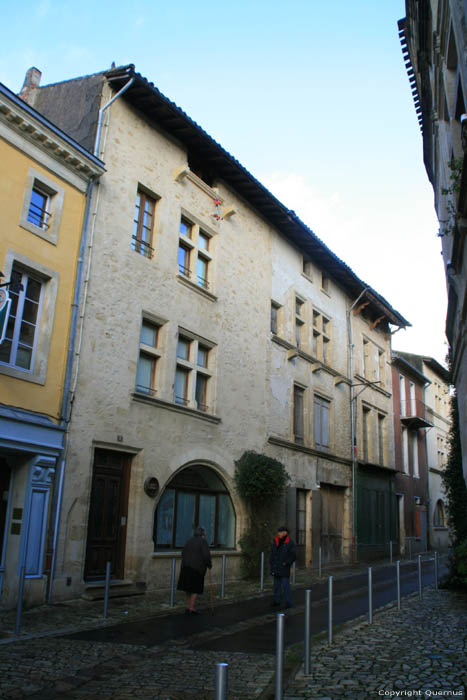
{"points": [[142, 247], [415, 414]]}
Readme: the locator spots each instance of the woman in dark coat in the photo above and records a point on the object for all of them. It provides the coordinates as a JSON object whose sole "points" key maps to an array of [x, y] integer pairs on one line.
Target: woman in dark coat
{"points": [[196, 558]]}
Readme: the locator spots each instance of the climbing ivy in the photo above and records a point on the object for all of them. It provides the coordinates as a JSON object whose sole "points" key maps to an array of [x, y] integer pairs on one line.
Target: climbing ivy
{"points": [[261, 482], [456, 494]]}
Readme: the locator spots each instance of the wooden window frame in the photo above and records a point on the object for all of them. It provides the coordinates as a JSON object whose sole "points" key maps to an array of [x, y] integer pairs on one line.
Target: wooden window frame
{"points": [[139, 243]]}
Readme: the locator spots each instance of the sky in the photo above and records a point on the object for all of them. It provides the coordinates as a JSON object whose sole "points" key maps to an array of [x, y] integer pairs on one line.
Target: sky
{"points": [[311, 97]]}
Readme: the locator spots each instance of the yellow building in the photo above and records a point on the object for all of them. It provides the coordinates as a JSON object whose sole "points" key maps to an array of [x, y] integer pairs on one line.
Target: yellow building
{"points": [[45, 181]]}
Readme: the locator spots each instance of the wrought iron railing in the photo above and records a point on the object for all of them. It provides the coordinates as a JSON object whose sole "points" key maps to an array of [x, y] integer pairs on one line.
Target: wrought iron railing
{"points": [[142, 247]]}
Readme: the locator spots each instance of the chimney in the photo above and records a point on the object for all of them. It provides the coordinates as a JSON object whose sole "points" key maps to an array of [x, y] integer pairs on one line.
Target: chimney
{"points": [[31, 82]]}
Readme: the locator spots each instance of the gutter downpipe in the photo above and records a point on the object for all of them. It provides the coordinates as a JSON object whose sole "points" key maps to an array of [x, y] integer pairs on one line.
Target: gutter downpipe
{"points": [[102, 110], [67, 402], [68, 375], [353, 416]]}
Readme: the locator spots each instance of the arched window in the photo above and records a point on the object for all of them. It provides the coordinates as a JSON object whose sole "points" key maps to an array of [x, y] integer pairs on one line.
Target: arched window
{"points": [[195, 496], [439, 518]]}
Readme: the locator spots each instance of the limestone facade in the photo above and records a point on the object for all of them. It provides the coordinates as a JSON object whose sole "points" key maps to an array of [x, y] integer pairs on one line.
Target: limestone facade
{"points": [[217, 324], [434, 40]]}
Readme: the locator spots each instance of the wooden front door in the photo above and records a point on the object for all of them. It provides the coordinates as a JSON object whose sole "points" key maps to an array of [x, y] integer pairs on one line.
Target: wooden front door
{"points": [[107, 515], [332, 518]]}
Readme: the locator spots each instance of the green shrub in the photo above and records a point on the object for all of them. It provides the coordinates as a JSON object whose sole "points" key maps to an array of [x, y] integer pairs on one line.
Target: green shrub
{"points": [[261, 482]]}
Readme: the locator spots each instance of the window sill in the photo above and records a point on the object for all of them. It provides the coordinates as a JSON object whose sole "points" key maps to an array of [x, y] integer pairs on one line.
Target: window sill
{"points": [[291, 445], [177, 553], [380, 389], [26, 375], [196, 288], [177, 408], [440, 528]]}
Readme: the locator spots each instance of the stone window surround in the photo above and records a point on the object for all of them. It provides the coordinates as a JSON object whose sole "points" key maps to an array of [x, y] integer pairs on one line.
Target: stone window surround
{"points": [[56, 195], [50, 280], [192, 368]]}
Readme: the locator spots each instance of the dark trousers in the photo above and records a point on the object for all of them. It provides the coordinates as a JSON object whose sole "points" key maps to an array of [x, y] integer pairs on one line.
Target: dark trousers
{"points": [[282, 582]]}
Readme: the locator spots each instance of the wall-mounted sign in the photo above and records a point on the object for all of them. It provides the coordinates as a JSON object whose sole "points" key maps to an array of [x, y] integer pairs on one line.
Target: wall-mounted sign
{"points": [[151, 486]]}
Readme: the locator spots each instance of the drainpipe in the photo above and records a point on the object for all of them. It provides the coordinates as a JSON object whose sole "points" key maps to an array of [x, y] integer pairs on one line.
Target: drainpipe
{"points": [[70, 384], [68, 376], [353, 426], [102, 110]]}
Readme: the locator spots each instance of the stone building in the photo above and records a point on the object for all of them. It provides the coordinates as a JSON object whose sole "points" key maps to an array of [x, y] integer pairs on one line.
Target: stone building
{"points": [[214, 322], [437, 412], [45, 176], [411, 423], [434, 41]]}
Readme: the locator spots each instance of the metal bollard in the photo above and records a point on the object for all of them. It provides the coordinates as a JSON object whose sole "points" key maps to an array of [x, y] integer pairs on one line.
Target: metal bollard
{"points": [[307, 669], [330, 610], [220, 690], [420, 575], [279, 678], [370, 596], [390, 552], [172, 582], [293, 572], [107, 588], [398, 583], [19, 610], [436, 570], [261, 585], [319, 561], [223, 576]]}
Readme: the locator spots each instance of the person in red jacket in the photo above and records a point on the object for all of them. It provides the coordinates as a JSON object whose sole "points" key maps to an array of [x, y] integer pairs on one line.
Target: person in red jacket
{"points": [[283, 555]]}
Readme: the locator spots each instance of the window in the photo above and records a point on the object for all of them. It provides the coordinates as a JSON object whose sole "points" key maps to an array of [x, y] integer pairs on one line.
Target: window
{"points": [[300, 328], [439, 516], [321, 411], [413, 407], [42, 206], [194, 254], [18, 348], [193, 373], [413, 444], [366, 358], [307, 269], [38, 213], [402, 395], [381, 428], [300, 523], [143, 222], [299, 414], [366, 434], [405, 450], [324, 283], [381, 368], [149, 355], [320, 344], [196, 496]]}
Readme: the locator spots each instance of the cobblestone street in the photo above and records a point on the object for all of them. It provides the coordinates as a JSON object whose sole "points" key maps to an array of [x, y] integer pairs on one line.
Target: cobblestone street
{"points": [[420, 651], [417, 652]]}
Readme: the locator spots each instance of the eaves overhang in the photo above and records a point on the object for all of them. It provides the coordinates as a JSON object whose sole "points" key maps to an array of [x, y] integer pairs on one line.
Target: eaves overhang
{"points": [[405, 364], [148, 100], [34, 127]]}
